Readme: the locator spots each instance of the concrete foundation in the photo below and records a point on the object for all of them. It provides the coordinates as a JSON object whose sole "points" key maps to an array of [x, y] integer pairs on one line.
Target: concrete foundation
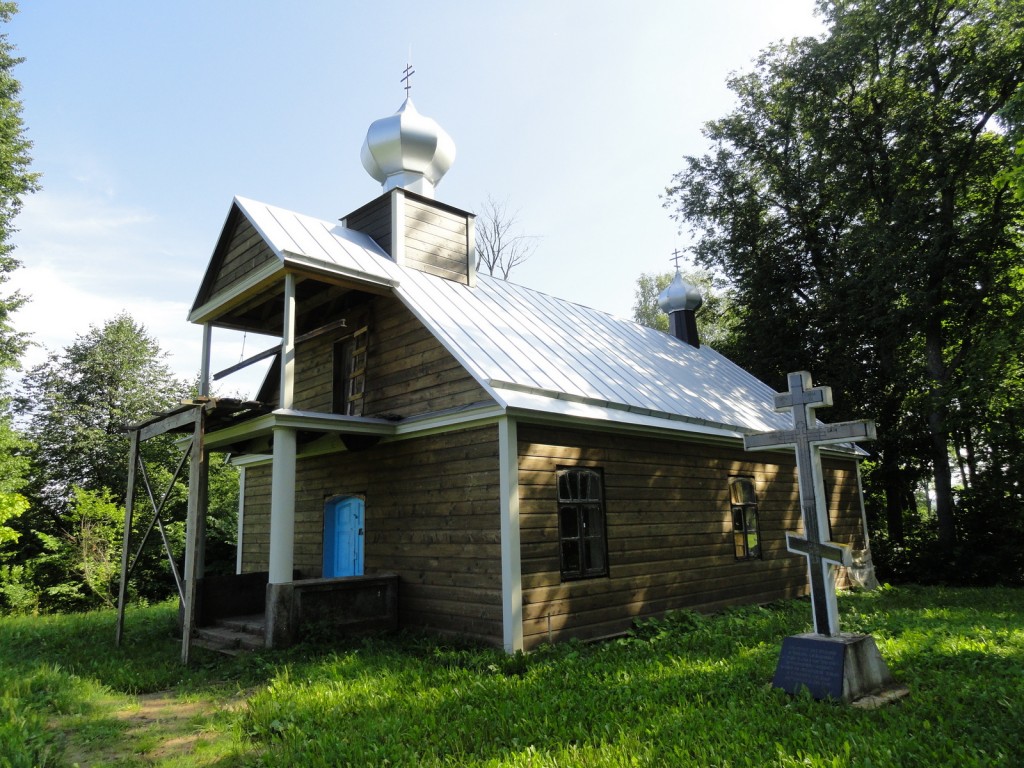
{"points": [[845, 668], [331, 607]]}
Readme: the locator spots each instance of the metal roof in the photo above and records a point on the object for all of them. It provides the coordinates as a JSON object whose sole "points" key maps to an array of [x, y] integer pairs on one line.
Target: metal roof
{"points": [[535, 352], [292, 234]]}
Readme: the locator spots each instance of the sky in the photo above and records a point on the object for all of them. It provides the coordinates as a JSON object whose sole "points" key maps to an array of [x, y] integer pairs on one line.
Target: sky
{"points": [[148, 118]]}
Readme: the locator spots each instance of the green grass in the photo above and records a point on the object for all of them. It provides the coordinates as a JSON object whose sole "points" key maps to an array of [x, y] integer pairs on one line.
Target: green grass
{"points": [[688, 690]]}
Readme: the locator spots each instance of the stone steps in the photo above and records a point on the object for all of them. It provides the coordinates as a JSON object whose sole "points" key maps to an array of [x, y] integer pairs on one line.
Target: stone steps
{"points": [[232, 635]]}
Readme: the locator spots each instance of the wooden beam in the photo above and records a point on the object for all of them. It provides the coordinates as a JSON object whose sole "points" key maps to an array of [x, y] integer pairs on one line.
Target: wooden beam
{"points": [[172, 421], [193, 529], [274, 350], [122, 590]]}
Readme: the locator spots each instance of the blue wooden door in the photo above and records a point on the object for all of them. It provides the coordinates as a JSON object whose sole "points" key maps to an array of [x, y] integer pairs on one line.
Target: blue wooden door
{"points": [[343, 537]]}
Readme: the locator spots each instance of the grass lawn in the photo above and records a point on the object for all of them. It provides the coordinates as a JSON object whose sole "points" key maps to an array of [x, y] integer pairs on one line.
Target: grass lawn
{"points": [[688, 690]]}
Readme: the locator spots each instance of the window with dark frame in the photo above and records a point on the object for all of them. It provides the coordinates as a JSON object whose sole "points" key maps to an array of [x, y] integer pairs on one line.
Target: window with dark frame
{"points": [[583, 546], [745, 526]]}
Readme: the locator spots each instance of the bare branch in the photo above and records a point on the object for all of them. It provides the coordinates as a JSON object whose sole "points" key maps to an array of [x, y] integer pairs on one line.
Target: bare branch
{"points": [[500, 247]]}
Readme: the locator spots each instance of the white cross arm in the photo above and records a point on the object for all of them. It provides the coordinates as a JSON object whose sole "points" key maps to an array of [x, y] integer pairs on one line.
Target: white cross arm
{"points": [[825, 434], [830, 551]]}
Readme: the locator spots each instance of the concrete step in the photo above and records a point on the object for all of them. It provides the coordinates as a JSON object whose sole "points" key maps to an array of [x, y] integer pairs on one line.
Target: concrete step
{"points": [[253, 625], [232, 636]]}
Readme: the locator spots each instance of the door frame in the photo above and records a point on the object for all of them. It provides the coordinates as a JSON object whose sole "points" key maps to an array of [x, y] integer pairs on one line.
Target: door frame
{"points": [[330, 537]]}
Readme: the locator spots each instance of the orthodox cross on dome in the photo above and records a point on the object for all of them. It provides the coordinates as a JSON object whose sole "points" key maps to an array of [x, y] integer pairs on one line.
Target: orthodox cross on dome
{"points": [[676, 256], [807, 436], [409, 72]]}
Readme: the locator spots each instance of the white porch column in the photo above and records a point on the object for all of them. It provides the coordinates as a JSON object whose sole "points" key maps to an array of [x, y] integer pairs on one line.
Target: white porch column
{"points": [[282, 507], [511, 562], [288, 344], [282, 480], [204, 365]]}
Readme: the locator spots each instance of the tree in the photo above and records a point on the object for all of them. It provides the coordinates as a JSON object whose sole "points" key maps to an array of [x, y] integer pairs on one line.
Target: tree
{"points": [[79, 403], [499, 247], [13, 469], [853, 199], [76, 407], [16, 181], [715, 317]]}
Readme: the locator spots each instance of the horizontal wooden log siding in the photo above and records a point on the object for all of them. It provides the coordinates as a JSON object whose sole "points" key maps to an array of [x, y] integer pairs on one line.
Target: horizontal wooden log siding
{"points": [[432, 517], [374, 219], [248, 251], [669, 530], [408, 371], [435, 241]]}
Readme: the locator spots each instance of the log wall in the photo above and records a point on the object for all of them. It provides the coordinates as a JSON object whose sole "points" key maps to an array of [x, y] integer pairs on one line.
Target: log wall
{"points": [[374, 219], [432, 517], [248, 252], [669, 530], [436, 240], [408, 371], [435, 237]]}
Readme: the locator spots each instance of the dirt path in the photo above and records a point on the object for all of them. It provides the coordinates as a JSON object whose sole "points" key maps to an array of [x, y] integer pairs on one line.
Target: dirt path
{"points": [[154, 729]]}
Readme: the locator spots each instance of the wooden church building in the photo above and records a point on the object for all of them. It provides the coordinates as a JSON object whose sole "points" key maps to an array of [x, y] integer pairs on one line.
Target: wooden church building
{"points": [[488, 460]]}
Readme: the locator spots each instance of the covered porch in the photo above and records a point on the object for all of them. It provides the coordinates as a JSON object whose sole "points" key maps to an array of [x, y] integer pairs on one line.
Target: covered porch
{"points": [[280, 610]]}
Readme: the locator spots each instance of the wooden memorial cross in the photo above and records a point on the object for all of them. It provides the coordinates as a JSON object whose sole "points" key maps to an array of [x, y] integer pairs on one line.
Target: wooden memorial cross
{"points": [[806, 437]]}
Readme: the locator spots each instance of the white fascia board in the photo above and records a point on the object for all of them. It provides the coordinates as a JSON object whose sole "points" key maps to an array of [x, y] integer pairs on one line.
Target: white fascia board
{"points": [[310, 264], [237, 293], [303, 420], [418, 426], [556, 408], [257, 427], [251, 460], [332, 422], [573, 408]]}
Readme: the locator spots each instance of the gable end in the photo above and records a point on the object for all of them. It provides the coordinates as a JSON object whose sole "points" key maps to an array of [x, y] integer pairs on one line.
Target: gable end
{"points": [[240, 250]]}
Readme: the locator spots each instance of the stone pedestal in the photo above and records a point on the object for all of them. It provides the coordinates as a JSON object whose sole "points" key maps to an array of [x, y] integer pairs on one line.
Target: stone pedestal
{"points": [[845, 668]]}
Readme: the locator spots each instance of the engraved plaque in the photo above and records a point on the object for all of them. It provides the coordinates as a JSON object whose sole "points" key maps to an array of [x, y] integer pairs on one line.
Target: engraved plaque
{"points": [[811, 662]]}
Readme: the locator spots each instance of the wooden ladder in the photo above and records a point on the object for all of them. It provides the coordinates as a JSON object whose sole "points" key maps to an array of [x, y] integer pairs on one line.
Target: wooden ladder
{"points": [[356, 375]]}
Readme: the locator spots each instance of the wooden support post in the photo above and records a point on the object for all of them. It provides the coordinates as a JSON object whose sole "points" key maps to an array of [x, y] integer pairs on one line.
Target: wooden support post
{"points": [[194, 528], [240, 536], [129, 503]]}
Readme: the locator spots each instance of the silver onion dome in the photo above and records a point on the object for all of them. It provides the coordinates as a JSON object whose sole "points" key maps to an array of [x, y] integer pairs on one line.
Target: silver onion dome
{"points": [[408, 150], [680, 296]]}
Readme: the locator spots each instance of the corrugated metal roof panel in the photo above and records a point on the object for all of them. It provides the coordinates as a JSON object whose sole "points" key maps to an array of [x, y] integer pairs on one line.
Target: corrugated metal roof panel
{"points": [[546, 350], [549, 345], [329, 242]]}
